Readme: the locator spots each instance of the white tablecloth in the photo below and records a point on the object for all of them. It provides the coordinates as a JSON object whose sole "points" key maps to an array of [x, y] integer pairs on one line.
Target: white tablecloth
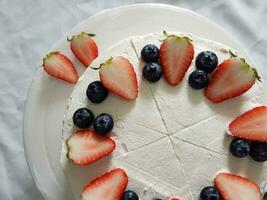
{"points": [[28, 28]]}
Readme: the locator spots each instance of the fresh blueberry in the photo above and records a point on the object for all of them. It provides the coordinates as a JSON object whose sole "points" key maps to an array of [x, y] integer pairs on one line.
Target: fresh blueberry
{"points": [[150, 53], [129, 195], [152, 72], [103, 123], [96, 92], [83, 118], [210, 193], [207, 61], [198, 79], [239, 148], [258, 151]]}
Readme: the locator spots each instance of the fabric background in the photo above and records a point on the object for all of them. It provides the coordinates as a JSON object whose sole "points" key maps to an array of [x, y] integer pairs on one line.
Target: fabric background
{"points": [[28, 28]]}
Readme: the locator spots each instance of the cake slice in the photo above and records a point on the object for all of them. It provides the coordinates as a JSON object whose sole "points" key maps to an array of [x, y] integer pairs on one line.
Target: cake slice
{"points": [[149, 186], [158, 160]]}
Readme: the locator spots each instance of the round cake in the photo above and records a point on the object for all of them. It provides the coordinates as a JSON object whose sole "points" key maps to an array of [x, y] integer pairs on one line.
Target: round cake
{"points": [[171, 140]]}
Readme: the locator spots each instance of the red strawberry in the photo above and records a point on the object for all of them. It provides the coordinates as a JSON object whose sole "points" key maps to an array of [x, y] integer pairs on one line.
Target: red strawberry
{"points": [[233, 187], [59, 66], [109, 186], [252, 125], [86, 147], [232, 78], [84, 48], [118, 76], [176, 55]]}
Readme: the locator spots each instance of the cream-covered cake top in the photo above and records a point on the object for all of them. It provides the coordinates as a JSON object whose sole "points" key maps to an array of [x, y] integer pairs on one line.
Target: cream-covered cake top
{"points": [[171, 140]]}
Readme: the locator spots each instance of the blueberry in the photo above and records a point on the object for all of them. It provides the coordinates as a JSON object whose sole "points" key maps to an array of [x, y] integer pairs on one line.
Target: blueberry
{"points": [[96, 92], [258, 151], [150, 53], [206, 61], [210, 193], [198, 79], [129, 195], [83, 118], [152, 72], [239, 148], [103, 123]]}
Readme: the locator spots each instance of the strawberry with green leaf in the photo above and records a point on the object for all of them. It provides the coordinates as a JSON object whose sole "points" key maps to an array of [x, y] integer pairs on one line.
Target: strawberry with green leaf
{"points": [[118, 76], [84, 47], [59, 66], [176, 55], [232, 78]]}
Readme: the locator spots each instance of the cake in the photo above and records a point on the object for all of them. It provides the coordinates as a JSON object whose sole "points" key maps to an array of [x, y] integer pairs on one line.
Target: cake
{"points": [[170, 140]]}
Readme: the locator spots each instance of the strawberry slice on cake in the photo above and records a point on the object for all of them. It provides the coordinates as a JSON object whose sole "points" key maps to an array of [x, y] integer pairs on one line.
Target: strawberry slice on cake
{"points": [[251, 125], [118, 76], [109, 186], [232, 78], [86, 147], [176, 55], [233, 187]]}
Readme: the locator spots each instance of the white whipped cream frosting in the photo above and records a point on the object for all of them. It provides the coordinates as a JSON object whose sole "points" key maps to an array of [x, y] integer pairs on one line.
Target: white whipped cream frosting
{"points": [[171, 140]]}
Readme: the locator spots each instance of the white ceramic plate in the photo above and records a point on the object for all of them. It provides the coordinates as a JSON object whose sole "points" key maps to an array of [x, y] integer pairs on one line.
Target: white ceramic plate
{"points": [[47, 97]]}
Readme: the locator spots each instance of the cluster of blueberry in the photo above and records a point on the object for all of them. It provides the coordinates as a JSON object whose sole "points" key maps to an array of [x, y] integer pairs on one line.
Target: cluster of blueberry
{"points": [[206, 62], [83, 117], [152, 71], [241, 148]]}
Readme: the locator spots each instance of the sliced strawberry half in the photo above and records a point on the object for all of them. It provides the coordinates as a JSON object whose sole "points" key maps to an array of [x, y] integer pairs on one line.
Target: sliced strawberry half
{"points": [[109, 186], [59, 66], [233, 187], [176, 55], [232, 78], [118, 76], [84, 47], [86, 147], [252, 125]]}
